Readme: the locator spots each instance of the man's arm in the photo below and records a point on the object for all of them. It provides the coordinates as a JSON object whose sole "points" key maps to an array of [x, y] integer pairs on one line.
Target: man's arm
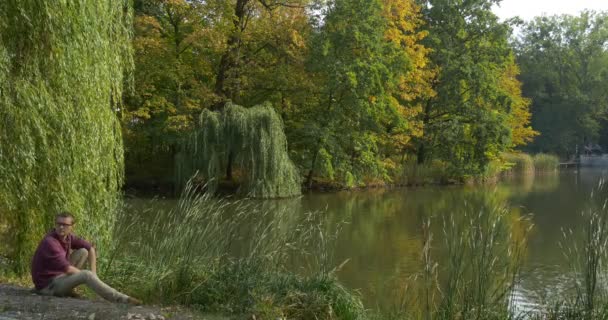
{"points": [[72, 270], [93, 260], [78, 243]]}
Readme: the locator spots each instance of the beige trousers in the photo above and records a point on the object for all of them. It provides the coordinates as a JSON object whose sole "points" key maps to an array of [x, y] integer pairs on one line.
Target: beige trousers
{"points": [[63, 285]]}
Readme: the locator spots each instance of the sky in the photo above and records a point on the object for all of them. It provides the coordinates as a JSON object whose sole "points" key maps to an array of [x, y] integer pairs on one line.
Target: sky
{"points": [[527, 9]]}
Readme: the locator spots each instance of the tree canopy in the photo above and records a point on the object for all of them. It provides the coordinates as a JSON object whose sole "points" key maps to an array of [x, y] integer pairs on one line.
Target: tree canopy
{"points": [[362, 87], [564, 63]]}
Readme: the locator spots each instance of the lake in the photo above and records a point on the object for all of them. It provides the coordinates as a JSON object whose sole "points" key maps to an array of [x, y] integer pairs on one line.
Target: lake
{"points": [[381, 236]]}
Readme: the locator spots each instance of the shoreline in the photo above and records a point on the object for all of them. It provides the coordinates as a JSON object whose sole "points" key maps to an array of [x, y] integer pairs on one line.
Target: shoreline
{"points": [[17, 302], [166, 190]]}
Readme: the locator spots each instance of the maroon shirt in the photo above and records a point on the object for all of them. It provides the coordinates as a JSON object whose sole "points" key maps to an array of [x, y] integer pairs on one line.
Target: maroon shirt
{"points": [[52, 257]]}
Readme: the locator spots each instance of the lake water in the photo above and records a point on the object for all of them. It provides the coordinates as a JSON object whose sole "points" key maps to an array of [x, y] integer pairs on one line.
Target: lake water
{"points": [[382, 238]]}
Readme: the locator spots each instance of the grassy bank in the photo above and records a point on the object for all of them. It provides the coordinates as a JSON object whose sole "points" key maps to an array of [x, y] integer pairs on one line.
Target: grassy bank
{"points": [[229, 256], [232, 257], [399, 173], [408, 172], [521, 163], [195, 255]]}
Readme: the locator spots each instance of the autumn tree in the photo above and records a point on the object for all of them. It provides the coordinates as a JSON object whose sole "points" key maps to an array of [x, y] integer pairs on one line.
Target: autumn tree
{"points": [[176, 43], [355, 66], [466, 123], [228, 80], [405, 31], [519, 119]]}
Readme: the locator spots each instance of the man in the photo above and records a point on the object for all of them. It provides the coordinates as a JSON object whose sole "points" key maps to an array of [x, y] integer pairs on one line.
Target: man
{"points": [[59, 258]]}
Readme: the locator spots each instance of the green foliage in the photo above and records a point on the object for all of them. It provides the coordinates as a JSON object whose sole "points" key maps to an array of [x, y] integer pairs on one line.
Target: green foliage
{"points": [[466, 123], [564, 66], [355, 67], [413, 173], [435, 79], [171, 82], [61, 75], [545, 162], [251, 139], [198, 257]]}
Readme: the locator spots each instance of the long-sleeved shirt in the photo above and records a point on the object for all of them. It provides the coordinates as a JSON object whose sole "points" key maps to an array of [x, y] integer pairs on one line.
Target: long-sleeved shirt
{"points": [[52, 257]]}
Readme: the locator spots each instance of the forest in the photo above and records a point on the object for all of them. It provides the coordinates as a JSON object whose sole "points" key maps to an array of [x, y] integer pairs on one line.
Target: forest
{"points": [[365, 91]]}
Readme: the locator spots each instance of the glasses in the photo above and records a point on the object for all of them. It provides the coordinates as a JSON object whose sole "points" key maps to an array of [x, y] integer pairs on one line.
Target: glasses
{"points": [[65, 225]]}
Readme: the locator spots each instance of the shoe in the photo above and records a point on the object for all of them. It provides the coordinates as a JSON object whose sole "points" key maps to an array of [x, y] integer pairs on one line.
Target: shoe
{"points": [[134, 301]]}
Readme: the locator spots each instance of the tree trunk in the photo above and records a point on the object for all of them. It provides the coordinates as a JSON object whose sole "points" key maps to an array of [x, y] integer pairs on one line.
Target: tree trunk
{"points": [[230, 61], [229, 167], [421, 153], [312, 169]]}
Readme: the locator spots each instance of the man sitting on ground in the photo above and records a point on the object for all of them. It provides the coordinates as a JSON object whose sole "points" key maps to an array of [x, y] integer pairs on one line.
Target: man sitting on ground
{"points": [[59, 258]]}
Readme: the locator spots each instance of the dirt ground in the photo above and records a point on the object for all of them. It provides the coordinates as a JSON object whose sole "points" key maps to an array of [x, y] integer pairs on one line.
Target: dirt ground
{"points": [[20, 303]]}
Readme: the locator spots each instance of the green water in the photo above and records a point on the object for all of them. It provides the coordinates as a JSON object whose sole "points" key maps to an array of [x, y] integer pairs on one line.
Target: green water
{"points": [[382, 238]]}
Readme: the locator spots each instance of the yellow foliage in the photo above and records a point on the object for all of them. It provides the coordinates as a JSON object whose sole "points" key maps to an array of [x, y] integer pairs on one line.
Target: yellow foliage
{"points": [[404, 22], [519, 116]]}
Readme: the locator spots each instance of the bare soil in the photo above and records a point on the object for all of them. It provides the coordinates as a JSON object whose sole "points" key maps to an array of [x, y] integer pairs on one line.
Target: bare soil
{"points": [[20, 303]]}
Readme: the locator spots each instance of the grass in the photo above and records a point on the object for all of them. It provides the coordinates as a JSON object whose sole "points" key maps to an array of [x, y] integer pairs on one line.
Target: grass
{"points": [[587, 251], [229, 256], [519, 163], [545, 162], [193, 255], [482, 247], [414, 174]]}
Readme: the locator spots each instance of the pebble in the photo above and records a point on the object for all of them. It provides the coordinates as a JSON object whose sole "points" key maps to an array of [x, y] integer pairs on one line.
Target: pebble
{"points": [[138, 316]]}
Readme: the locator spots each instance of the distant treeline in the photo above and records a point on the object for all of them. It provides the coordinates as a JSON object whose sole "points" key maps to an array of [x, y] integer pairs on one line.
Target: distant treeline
{"points": [[364, 88]]}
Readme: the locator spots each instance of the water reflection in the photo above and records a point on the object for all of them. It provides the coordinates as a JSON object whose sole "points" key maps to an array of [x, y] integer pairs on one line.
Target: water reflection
{"points": [[383, 239]]}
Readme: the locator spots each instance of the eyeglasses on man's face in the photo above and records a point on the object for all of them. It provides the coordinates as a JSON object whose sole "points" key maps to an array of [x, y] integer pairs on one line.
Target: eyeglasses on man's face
{"points": [[64, 225]]}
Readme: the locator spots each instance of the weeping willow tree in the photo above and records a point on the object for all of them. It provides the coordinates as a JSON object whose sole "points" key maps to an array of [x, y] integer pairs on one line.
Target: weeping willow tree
{"points": [[61, 74], [251, 139]]}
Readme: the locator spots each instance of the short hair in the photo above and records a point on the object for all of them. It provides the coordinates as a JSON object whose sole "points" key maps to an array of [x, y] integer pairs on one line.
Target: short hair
{"points": [[65, 214]]}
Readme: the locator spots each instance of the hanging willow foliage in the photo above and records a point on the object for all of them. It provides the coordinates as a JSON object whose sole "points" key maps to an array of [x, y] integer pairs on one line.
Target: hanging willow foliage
{"points": [[62, 65], [253, 138]]}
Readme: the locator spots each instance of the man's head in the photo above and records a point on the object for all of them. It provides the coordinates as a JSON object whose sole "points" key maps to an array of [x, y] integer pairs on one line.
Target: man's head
{"points": [[64, 222]]}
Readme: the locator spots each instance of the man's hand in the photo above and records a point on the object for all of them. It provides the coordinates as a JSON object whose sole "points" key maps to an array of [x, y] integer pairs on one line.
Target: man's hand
{"points": [[93, 260], [72, 270]]}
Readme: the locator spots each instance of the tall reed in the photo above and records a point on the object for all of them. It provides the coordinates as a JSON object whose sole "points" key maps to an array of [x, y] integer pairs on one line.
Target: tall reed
{"points": [[586, 251], [476, 267], [545, 162], [414, 173], [231, 256], [519, 163]]}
